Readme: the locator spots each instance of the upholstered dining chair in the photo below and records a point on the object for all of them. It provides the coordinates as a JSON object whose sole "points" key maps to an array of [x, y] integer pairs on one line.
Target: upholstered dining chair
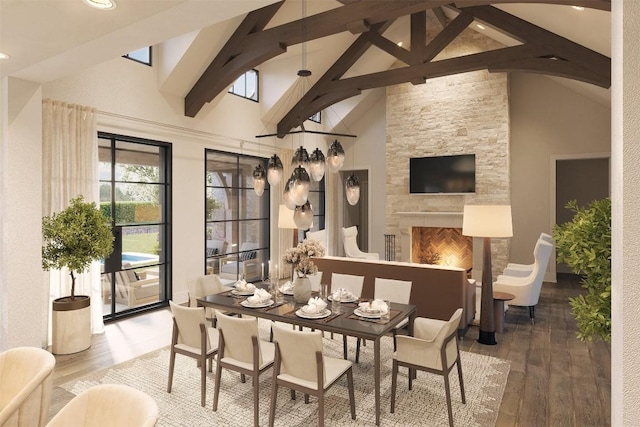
{"points": [[300, 365], [241, 350], [108, 405], [191, 337], [26, 379], [350, 243], [433, 348], [394, 291], [202, 286], [527, 289], [523, 270], [352, 284]]}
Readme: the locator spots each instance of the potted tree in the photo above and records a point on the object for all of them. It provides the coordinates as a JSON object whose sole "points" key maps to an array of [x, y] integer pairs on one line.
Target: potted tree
{"points": [[73, 239], [584, 244]]}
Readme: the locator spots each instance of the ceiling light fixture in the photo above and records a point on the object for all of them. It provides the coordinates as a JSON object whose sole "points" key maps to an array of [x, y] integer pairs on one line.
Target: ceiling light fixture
{"points": [[101, 4], [580, 8], [352, 189], [335, 156], [316, 165], [274, 170], [303, 216], [480, 26], [4, 55], [399, 44], [259, 179]]}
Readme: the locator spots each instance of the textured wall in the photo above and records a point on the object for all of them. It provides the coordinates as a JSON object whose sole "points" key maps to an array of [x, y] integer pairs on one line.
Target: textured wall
{"points": [[461, 114]]}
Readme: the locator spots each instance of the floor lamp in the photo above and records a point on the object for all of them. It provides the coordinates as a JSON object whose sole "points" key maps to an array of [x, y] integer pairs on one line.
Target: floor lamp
{"points": [[487, 221]]}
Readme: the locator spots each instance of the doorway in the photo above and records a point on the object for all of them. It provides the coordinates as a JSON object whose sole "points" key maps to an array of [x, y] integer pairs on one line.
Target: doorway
{"points": [[580, 179], [358, 214], [135, 194]]}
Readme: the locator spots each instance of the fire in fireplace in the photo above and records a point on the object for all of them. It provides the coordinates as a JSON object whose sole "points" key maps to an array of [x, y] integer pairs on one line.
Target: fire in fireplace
{"points": [[441, 246]]}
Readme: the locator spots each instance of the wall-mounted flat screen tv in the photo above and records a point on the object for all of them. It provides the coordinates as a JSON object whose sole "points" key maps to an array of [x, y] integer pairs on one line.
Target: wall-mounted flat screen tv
{"points": [[442, 174]]}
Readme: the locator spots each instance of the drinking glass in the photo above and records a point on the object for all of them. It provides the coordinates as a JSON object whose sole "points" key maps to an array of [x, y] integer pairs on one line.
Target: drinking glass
{"points": [[387, 315], [335, 305], [323, 291]]}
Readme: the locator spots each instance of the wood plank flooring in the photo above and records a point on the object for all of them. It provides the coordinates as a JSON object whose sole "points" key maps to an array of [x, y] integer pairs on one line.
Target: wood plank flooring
{"points": [[555, 379]]}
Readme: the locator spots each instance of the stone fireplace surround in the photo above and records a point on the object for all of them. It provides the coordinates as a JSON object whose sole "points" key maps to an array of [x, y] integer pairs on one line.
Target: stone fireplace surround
{"points": [[408, 220]]}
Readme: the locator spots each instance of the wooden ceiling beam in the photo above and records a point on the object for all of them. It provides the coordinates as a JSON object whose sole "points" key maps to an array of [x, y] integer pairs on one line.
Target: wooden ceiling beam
{"points": [[418, 36], [591, 4], [446, 36], [552, 67], [440, 16], [391, 48], [216, 78]]}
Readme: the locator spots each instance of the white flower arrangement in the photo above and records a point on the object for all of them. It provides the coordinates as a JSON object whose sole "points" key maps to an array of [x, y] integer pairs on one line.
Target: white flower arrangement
{"points": [[300, 257]]}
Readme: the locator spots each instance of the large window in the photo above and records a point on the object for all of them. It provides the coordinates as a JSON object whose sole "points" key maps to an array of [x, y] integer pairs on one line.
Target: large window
{"points": [[316, 199], [141, 55], [246, 85], [135, 193], [237, 219]]}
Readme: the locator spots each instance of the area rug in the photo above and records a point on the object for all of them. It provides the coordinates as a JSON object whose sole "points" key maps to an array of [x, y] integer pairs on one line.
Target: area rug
{"points": [[485, 378]]}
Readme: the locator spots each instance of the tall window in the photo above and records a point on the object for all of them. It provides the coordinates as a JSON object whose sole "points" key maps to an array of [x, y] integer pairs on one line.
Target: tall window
{"points": [[316, 199], [135, 192], [237, 219], [246, 85], [317, 117]]}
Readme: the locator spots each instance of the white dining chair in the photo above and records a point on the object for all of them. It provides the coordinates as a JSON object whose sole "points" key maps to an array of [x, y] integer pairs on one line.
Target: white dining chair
{"points": [[241, 350], [300, 365], [433, 348]]}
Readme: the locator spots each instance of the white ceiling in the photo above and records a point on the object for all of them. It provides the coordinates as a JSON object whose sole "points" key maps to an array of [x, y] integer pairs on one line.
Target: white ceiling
{"points": [[48, 39]]}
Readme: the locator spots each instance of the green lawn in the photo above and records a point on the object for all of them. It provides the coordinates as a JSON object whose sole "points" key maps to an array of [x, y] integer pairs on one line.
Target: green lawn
{"points": [[145, 243]]}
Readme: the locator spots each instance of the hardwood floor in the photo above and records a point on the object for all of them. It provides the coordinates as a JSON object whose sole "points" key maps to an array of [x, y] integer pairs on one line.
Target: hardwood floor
{"points": [[555, 379]]}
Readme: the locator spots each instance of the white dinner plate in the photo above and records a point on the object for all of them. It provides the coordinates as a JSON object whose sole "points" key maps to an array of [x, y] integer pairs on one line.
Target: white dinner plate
{"points": [[247, 304], [324, 313], [361, 313], [352, 299], [242, 293]]}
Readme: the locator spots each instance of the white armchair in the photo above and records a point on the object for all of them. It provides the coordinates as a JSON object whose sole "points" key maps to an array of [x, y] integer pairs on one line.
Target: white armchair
{"points": [[527, 289], [319, 236], [523, 270], [25, 388], [245, 263], [350, 242]]}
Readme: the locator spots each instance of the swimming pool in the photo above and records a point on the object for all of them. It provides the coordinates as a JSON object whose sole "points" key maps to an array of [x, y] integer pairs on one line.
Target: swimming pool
{"points": [[139, 258]]}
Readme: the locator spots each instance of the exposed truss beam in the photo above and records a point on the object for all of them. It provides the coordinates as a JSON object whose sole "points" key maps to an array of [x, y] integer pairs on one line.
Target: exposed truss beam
{"points": [[251, 44]]}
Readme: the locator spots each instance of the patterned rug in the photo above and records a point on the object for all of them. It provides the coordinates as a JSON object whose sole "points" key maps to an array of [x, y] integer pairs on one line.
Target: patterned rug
{"points": [[485, 378]]}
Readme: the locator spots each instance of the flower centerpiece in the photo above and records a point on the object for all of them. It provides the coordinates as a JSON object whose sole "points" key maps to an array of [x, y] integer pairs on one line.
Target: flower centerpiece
{"points": [[300, 258]]}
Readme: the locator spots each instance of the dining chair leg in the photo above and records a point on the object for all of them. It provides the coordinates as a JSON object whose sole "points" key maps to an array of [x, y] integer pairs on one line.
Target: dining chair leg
{"points": [[395, 345], [394, 379], [306, 399], [216, 388], [243, 378], [293, 394], [172, 363], [321, 407], [410, 379], [203, 381], [352, 400], [447, 391], [256, 400], [358, 350], [344, 346], [274, 399], [464, 400]]}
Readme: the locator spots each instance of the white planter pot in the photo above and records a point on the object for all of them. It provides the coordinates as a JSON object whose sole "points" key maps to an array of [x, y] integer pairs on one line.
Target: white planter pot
{"points": [[71, 325]]}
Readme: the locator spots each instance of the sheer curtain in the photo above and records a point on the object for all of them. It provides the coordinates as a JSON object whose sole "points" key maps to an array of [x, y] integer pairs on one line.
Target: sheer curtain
{"points": [[70, 169], [285, 235]]}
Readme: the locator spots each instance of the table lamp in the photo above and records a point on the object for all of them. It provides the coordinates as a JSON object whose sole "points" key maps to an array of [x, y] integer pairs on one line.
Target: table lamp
{"points": [[487, 221]]}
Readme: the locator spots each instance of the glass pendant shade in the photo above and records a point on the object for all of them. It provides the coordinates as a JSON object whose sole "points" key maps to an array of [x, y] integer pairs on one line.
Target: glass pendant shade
{"points": [[303, 216], [259, 179], [316, 165], [274, 170], [300, 158], [287, 199], [352, 189], [335, 157], [300, 187]]}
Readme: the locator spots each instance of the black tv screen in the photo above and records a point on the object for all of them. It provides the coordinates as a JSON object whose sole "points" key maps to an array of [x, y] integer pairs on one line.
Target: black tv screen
{"points": [[442, 174]]}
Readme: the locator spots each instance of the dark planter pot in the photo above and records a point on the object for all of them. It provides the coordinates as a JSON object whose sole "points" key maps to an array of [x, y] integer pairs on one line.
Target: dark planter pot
{"points": [[71, 324]]}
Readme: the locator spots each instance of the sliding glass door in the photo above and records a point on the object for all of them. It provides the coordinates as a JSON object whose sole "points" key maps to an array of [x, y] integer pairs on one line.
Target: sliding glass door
{"points": [[135, 193]]}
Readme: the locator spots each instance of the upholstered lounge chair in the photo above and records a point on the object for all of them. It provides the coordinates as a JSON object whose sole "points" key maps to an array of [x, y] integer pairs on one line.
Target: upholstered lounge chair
{"points": [[134, 292], [245, 264], [523, 270], [350, 242], [108, 405], [26, 378]]}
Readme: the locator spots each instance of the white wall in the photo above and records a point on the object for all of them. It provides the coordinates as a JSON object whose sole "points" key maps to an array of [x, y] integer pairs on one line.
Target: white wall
{"points": [[24, 291], [548, 120], [625, 158]]}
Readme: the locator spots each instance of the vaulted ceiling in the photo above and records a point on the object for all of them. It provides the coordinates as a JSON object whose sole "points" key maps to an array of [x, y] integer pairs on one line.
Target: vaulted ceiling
{"points": [[350, 46]]}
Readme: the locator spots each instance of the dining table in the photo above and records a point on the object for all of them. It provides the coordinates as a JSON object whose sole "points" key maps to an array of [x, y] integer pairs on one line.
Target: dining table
{"points": [[344, 322]]}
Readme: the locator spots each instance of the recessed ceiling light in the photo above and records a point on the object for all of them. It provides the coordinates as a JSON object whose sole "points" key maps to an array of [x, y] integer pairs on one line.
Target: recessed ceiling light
{"points": [[482, 27], [399, 44], [101, 4], [580, 8], [4, 55]]}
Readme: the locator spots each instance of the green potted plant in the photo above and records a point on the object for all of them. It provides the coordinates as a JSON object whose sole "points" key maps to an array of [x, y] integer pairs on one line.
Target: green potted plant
{"points": [[584, 244], [73, 238]]}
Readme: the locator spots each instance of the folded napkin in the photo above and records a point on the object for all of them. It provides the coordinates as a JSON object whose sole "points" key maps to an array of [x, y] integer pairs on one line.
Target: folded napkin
{"points": [[242, 285], [259, 296], [375, 306], [315, 305], [342, 294], [287, 286]]}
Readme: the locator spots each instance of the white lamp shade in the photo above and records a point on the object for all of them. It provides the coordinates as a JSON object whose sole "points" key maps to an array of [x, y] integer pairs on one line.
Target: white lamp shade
{"points": [[258, 185], [316, 170], [285, 218], [299, 192], [303, 216], [274, 176], [487, 221]]}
